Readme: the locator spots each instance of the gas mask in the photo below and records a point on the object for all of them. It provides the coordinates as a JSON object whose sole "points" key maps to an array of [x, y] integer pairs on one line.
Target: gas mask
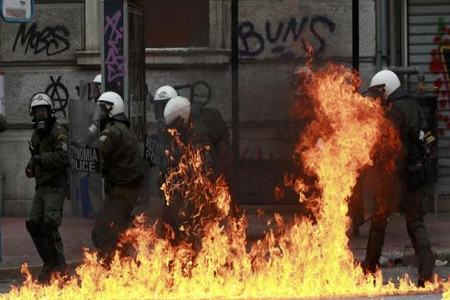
{"points": [[41, 127], [41, 116], [101, 115], [100, 118], [104, 110]]}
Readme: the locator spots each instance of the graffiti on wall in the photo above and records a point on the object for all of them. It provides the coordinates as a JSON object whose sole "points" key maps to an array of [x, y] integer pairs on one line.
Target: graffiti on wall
{"points": [[440, 67], [59, 94], [51, 40], [114, 48], [278, 37], [198, 91]]}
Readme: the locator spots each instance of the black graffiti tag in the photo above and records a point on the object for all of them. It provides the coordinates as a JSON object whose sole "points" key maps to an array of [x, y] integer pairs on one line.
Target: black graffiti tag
{"points": [[312, 27], [52, 39], [59, 94], [254, 43], [197, 90], [246, 32]]}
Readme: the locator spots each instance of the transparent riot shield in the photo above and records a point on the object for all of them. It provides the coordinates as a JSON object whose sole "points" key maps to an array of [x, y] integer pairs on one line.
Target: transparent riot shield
{"points": [[86, 178]]}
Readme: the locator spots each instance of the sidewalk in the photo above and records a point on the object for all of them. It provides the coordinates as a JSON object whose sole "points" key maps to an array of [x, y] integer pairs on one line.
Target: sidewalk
{"points": [[18, 248], [76, 234]]}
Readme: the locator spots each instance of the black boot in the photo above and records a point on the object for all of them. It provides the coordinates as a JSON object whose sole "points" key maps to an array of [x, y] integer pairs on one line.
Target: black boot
{"points": [[369, 267], [375, 244], [427, 260], [46, 274], [38, 237], [58, 262]]}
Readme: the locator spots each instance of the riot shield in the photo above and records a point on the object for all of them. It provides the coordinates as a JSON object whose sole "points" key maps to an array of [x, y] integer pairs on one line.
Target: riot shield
{"points": [[86, 178], [156, 146]]}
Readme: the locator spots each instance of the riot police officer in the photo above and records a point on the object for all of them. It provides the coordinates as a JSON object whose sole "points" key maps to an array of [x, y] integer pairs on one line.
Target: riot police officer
{"points": [[49, 148], [162, 96], [408, 118], [122, 169], [159, 142], [205, 130], [97, 83]]}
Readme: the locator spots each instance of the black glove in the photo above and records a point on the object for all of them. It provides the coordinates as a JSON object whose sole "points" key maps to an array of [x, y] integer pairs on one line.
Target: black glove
{"points": [[37, 160], [30, 172]]}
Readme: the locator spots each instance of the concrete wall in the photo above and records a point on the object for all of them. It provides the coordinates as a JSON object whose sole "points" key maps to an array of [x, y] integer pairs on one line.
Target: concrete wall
{"points": [[272, 39], [54, 35]]}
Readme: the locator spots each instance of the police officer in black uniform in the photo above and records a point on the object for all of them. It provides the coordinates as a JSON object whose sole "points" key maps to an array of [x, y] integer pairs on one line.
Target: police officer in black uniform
{"points": [[159, 144], [97, 85], [123, 172], [205, 130], [408, 118], [49, 148]]}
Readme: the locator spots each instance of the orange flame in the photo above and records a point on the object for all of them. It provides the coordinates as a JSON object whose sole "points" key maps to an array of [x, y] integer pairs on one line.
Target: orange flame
{"points": [[279, 193], [309, 258], [446, 294]]}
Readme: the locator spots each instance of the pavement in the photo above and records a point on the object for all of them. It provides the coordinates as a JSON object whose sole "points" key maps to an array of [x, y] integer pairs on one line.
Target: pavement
{"points": [[398, 256], [18, 248]]}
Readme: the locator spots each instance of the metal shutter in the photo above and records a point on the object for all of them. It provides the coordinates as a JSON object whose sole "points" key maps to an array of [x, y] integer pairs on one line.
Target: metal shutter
{"points": [[429, 49]]}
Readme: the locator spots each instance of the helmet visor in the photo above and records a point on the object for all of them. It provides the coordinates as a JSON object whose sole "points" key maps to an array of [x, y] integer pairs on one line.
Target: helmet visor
{"points": [[40, 113], [102, 110]]}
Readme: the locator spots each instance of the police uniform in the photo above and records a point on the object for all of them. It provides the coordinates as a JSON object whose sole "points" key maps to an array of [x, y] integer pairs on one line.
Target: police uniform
{"points": [[123, 172], [207, 131], [409, 119], [51, 186]]}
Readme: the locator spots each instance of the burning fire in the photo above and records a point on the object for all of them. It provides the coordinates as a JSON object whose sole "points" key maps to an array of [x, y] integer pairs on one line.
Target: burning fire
{"points": [[446, 294], [306, 258]]}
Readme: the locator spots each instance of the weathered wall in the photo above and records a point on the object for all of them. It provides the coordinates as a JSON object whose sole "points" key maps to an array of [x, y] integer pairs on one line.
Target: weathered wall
{"points": [[54, 35], [272, 39], [61, 84], [281, 29]]}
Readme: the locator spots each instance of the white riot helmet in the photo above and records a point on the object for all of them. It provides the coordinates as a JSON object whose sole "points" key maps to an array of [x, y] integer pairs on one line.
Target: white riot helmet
{"points": [[386, 79], [165, 93], [97, 79], [177, 108], [41, 99], [162, 96], [113, 102]]}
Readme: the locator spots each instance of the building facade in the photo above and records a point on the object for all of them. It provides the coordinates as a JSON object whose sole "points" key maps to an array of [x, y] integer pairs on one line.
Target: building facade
{"points": [[188, 45]]}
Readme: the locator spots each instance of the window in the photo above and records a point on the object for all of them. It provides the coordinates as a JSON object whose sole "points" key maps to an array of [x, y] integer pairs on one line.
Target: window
{"points": [[170, 26], [176, 23]]}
